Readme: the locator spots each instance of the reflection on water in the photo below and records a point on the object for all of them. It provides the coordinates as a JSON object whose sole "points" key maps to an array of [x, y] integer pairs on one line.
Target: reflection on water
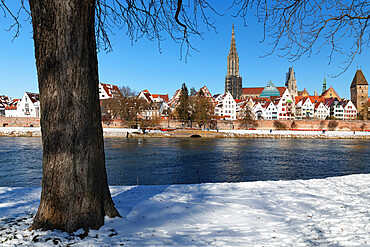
{"points": [[189, 160]]}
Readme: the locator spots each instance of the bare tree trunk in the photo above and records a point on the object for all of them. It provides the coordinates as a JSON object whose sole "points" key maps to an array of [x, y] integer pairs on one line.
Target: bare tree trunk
{"points": [[75, 191]]}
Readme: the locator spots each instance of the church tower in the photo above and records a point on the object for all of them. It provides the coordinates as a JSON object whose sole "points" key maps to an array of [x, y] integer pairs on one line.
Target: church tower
{"points": [[359, 91], [324, 86], [291, 83], [233, 81]]}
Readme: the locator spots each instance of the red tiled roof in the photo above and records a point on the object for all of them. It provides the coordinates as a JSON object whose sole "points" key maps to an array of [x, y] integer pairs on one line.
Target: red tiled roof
{"points": [[33, 96], [252, 90], [11, 107], [317, 104], [162, 96], [147, 96], [281, 90], [111, 90], [258, 90]]}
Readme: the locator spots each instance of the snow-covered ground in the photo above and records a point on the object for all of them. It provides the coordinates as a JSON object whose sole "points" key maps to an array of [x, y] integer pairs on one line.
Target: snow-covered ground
{"points": [[326, 212], [290, 133], [122, 132]]}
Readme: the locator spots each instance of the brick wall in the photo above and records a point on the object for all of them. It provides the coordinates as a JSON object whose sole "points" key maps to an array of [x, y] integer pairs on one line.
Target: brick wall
{"points": [[262, 124], [19, 122], [269, 124]]}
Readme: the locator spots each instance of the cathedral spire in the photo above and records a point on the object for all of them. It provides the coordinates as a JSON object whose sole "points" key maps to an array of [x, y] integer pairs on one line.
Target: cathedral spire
{"points": [[233, 58], [233, 81], [324, 85], [291, 82]]}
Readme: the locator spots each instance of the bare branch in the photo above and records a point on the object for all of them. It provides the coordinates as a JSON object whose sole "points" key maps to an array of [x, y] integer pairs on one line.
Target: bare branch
{"points": [[153, 19], [14, 16], [295, 28]]}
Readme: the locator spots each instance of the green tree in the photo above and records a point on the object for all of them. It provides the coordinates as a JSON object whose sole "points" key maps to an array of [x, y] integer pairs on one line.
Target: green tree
{"points": [[183, 108]]}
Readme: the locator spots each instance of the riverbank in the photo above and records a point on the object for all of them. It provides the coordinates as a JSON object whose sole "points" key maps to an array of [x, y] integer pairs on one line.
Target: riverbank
{"points": [[135, 133], [329, 212]]}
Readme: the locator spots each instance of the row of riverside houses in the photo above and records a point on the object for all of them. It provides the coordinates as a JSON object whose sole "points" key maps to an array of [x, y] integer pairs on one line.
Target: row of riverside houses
{"points": [[270, 103], [29, 104]]}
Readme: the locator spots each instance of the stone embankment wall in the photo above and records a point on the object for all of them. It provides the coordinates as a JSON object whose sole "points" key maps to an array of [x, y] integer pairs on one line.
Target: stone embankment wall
{"points": [[19, 122], [354, 125]]}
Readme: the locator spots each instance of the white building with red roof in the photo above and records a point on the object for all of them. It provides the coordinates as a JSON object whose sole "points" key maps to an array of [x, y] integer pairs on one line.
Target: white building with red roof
{"points": [[259, 111], [108, 91], [27, 106], [145, 95], [160, 98], [286, 107], [173, 102], [305, 109], [350, 111], [321, 111], [4, 102], [226, 107], [158, 104], [270, 110]]}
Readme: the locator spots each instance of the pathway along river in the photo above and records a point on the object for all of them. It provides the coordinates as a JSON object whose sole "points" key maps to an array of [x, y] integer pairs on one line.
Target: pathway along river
{"points": [[189, 160]]}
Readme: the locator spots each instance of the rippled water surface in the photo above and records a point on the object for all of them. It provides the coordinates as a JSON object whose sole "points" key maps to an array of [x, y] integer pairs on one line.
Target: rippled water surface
{"points": [[187, 160]]}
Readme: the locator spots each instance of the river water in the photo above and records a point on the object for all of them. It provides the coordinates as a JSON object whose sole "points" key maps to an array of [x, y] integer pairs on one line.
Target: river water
{"points": [[197, 160]]}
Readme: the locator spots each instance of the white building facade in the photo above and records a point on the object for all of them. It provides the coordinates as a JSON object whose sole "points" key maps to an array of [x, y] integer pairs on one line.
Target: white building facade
{"points": [[27, 106], [226, 107], [305, 109], [286, 107], [321, 111]]}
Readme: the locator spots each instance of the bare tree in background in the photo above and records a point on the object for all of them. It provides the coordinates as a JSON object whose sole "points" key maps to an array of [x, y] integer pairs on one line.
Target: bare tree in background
{"points": [[127, 92], [202, 109], [246, 117]]}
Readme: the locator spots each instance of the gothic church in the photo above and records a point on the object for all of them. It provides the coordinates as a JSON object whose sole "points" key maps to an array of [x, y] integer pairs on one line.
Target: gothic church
{"points": [[233, 81]]}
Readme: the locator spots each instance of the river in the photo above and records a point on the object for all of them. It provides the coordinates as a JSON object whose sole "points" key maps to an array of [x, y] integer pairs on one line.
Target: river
{"points": [[198, 160]]}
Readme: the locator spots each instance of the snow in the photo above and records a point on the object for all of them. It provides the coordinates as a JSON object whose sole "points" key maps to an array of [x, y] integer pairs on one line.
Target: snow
{"points": [[303, 133], [330, 212], [122, 132]]}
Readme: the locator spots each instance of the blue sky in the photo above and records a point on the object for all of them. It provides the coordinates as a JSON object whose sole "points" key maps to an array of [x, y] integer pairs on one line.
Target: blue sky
{"points": [[141, 65]]}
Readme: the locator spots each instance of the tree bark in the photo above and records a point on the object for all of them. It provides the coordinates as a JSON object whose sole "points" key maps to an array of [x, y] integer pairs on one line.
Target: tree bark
{"points": [[75, 191]]}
